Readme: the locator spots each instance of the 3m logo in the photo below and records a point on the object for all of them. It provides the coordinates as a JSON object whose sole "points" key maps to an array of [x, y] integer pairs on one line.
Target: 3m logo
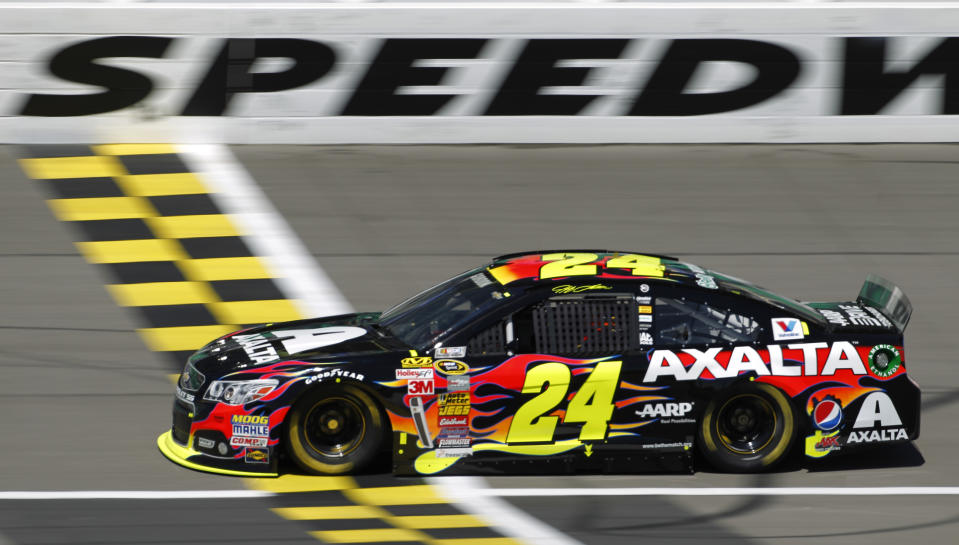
{"points": [[420, 387]]}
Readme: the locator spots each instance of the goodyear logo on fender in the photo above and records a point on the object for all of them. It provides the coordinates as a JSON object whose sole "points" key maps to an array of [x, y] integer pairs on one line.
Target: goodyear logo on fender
{"points": [[451, 367], [416, 362]]}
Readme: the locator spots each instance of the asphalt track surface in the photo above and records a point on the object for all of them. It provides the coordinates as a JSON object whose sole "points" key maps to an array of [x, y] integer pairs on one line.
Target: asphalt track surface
{"points": [[82, 400]]}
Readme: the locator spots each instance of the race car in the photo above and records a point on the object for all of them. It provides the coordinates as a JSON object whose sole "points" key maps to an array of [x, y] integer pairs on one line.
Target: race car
{"points": [[555, 361]]}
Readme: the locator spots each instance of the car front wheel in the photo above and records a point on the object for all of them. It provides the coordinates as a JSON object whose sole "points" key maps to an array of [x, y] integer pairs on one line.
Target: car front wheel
{"points": [[331, 431]]}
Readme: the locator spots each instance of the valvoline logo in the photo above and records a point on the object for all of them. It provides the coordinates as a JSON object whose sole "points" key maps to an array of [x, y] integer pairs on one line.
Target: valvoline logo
{"points": [[787, 329], [827, 414]]}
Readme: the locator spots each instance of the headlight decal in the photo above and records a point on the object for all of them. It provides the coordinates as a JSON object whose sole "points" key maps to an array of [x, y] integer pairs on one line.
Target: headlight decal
{"points": [[239, 392]]}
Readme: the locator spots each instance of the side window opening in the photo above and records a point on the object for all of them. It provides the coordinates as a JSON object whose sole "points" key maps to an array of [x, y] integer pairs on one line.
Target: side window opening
{"points": [[583, 325], [489, 341], [684, 322]]}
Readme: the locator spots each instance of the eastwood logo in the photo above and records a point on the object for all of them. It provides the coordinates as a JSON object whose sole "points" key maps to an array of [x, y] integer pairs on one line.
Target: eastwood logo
{"points": [[867, 81]]}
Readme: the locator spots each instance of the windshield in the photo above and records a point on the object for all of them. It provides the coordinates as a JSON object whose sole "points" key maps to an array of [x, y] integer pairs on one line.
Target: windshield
{"points": [[736, 285], [422, 319]]}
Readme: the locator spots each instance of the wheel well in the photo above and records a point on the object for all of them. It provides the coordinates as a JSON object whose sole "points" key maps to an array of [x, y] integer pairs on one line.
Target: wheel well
{"points": [[367, 389]]}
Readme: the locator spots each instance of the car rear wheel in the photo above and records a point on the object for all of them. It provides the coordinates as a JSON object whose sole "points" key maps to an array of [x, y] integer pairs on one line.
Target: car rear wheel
{"points": [[331, 431], [749, 428]]}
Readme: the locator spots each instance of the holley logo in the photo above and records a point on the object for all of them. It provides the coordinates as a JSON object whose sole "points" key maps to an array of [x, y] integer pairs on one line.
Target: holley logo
{"points": [[787, 329]]}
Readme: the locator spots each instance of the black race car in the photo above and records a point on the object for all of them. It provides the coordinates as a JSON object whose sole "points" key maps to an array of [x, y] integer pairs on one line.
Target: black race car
{"points": [[555, 361]]}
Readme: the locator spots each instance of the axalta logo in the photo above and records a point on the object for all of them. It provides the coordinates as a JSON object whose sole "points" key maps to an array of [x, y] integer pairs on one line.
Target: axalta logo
{"points": [[803, 360], [660, 410], [877, 436], [257, 347], [877, 410]]}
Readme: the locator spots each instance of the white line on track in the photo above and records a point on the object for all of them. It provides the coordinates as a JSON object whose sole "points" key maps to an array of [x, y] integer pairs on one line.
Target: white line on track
{"points": [[783, 491], [301, 277], [135, 495], [265, 230], [472, 496]]}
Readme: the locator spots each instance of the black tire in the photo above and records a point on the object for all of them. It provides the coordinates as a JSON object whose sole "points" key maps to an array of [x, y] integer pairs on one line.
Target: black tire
{"points": [[749, 428], [331, 431]]}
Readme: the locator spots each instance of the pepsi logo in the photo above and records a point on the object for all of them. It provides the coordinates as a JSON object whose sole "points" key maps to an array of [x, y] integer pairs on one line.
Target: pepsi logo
{"points": [[827, 414]]}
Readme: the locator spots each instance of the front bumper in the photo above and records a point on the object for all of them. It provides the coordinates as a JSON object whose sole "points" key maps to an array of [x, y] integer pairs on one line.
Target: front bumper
{"points": [[187, 457]]}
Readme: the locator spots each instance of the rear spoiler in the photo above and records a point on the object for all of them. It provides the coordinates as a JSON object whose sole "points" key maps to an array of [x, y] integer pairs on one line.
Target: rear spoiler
{"points": [[887, 298]]}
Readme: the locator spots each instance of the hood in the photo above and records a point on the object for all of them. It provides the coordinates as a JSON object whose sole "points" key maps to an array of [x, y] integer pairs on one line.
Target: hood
{"points": [[853, 317], [319, 339]]}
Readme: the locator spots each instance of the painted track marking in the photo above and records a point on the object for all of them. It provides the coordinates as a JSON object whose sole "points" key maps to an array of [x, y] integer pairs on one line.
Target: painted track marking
{"points": [[477, 493], [784, 491]]}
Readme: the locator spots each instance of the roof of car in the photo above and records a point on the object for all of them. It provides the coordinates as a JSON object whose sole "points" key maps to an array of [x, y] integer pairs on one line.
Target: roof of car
{"points": [[570, 265]]}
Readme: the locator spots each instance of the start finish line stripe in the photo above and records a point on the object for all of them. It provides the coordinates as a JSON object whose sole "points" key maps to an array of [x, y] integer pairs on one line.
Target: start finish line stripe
{"points": [[504, 492], [784, 491]]}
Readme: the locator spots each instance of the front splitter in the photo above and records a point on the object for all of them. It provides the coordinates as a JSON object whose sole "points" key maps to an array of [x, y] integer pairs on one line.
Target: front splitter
{"points": [[189, 458]]}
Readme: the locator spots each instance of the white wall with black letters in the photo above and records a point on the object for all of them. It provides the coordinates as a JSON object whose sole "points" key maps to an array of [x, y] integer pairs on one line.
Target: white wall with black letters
{"points": [[436, 73]]}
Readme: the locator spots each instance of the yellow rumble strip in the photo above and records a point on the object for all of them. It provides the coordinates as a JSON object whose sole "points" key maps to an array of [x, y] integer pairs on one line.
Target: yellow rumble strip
{"points": [[171, 253], [182, 264]]}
